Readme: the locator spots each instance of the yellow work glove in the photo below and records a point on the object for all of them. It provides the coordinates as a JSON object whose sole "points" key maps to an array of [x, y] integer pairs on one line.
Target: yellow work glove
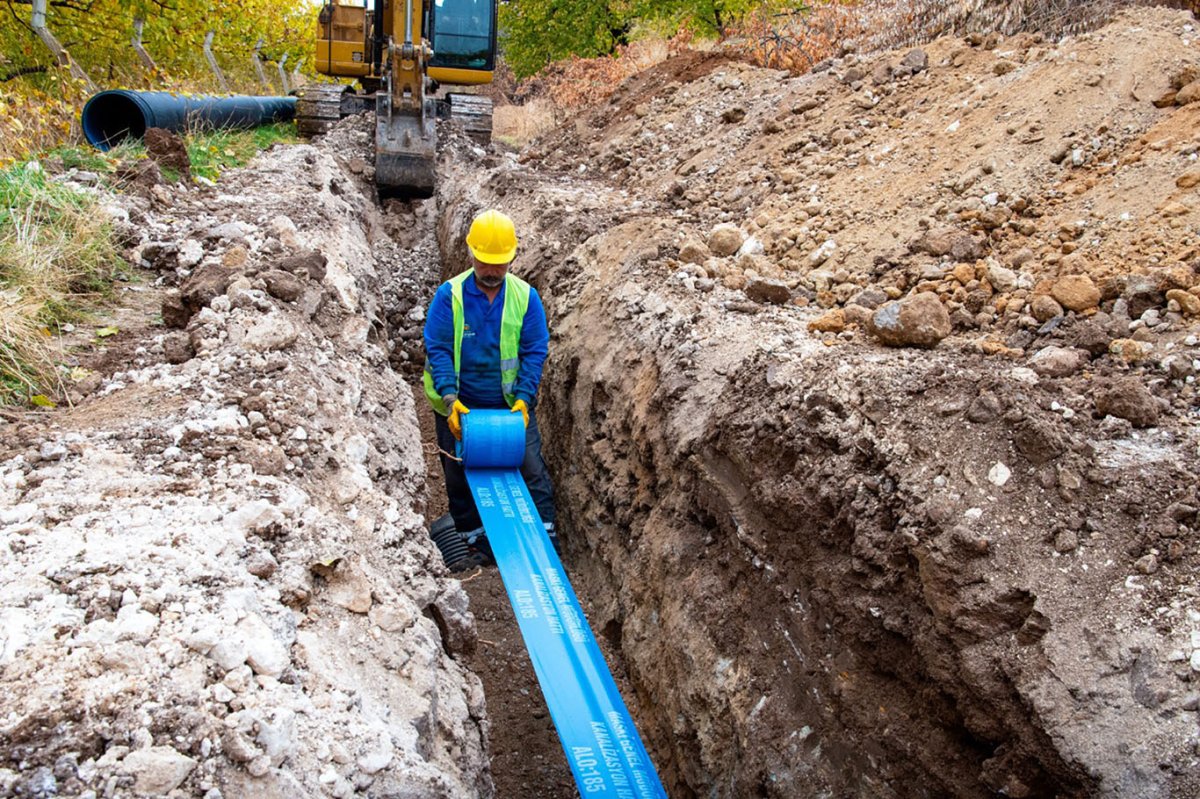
{"points": [[457, 411], [520, 405]]}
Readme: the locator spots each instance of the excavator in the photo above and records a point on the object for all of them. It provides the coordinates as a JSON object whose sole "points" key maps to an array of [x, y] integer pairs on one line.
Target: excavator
{"points": [[401, 52]]}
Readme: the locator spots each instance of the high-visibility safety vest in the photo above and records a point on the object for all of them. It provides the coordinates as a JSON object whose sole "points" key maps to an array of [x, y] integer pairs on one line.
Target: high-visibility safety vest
{"points": [[512, 320]]}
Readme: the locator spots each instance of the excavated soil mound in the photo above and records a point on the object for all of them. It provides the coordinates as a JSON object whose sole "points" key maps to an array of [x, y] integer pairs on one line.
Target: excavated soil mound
{"points": [[217, 578], [871, 403]]}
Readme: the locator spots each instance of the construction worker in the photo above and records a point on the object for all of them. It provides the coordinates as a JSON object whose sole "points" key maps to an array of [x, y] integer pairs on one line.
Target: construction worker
{"points": [[485, 343]]}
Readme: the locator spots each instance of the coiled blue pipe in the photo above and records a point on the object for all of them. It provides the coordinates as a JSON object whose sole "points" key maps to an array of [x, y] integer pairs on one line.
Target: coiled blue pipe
{"points": [[603, 748], [112, 116], [492, 439]]}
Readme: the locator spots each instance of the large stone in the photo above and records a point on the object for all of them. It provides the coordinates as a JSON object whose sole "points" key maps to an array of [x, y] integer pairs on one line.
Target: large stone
{"points": [[1181, 276], [197, 292], [157, 770], [1142, 292], [917, 321], [307, 261], [1044, 308], [949, 241], [272, 332], [1039, 439], [1189, 179], [284, 285], [830, 322], [694, 252], [1130, 350], [1076, 292], [984, 408], [768, 291], [1091, 336], [914, 61], [1188, 303], [265, 653], [1058, 361], [177, 348], [1001, 278], [870, 297], [349, 588], [1127, 398], [725, 239], [1188, 94]]}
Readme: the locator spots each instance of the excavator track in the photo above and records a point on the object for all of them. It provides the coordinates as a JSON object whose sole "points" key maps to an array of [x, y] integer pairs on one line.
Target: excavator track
{"points": [[318, 108], [474, 113]]}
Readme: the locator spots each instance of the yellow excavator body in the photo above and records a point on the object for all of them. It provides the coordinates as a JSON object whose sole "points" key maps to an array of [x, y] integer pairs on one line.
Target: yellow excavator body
{"points": [[401, 52]]}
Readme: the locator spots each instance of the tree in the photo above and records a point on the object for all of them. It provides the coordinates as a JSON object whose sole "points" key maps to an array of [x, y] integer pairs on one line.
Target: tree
{"points": [[97, 34], [537, 32]]}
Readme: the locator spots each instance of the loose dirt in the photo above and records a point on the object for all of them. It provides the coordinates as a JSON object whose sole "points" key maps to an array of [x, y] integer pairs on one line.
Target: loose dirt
{"points": [[217, 578], [892, 571], [871, 408]]}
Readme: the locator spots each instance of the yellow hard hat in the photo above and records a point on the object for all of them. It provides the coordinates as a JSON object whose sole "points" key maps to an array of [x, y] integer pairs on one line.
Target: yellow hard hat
{"points": [[492, 238]]}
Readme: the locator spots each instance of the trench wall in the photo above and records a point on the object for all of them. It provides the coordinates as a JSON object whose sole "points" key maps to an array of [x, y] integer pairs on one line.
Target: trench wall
{"points": [[798, 549]]}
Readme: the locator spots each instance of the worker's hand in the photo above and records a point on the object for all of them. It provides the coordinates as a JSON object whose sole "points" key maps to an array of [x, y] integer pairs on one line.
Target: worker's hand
{"points": [[457, 411], [520, 405]]}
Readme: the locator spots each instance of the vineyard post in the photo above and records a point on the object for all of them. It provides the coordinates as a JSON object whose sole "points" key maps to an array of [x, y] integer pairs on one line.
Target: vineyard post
{"points": [[282, 74], [138, 23], [297, 78], [212, 61], [61, 56], [257, 59]]}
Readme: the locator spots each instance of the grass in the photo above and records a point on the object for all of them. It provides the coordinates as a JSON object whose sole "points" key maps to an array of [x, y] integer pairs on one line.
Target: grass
{"points": [[212, 152], [57, 256]]}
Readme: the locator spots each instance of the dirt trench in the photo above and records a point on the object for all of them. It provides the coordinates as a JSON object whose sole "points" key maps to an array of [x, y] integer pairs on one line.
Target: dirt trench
{"points": [[824, 567], [814, 584], [834, 568]]}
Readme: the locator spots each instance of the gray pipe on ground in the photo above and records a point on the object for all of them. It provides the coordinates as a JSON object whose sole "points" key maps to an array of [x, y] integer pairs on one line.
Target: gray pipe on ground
{"points": [[112, 116]]}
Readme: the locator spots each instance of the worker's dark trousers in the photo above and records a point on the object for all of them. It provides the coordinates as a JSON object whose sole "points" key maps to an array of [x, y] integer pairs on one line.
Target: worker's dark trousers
{"points": [[462, 504]]}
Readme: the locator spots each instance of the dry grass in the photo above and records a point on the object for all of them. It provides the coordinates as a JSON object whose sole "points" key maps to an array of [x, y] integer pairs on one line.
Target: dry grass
{"points": [[517, 125], [544, 101], [56, 253]]}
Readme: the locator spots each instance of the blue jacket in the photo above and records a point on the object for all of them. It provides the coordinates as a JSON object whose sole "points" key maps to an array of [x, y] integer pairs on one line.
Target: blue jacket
{"points": [[479, 383]]}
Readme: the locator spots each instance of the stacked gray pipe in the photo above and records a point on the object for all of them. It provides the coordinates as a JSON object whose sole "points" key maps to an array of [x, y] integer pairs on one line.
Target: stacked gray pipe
{"points": [[111, 117]]}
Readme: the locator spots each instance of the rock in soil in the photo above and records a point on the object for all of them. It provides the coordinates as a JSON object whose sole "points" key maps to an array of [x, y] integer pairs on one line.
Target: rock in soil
{"points": [[917, 321], [1127, 398]]}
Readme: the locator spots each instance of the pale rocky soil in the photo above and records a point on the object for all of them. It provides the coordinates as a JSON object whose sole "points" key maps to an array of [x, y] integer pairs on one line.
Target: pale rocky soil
{"points": [[834, 567], [217, 576]]}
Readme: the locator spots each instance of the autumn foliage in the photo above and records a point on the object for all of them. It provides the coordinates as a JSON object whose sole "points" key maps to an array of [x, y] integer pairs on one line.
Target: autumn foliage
{"points": [[40, 101], [795, 41]]}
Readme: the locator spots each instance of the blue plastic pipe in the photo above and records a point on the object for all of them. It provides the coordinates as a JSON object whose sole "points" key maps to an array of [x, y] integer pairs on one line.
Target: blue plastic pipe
{"points": [[112, 116], [602, 745]]}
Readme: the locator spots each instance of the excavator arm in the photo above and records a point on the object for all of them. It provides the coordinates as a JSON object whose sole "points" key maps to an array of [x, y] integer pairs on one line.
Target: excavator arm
{"points": [[405, 130], [398, 50]]}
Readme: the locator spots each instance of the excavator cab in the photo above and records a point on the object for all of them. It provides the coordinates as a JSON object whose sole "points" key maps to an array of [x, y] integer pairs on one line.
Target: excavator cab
{"points": [[401, 52], [463, 34]]}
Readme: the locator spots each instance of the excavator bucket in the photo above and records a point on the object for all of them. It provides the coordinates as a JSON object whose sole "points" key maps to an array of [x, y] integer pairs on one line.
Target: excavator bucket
{"points": [[405, 152]]}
